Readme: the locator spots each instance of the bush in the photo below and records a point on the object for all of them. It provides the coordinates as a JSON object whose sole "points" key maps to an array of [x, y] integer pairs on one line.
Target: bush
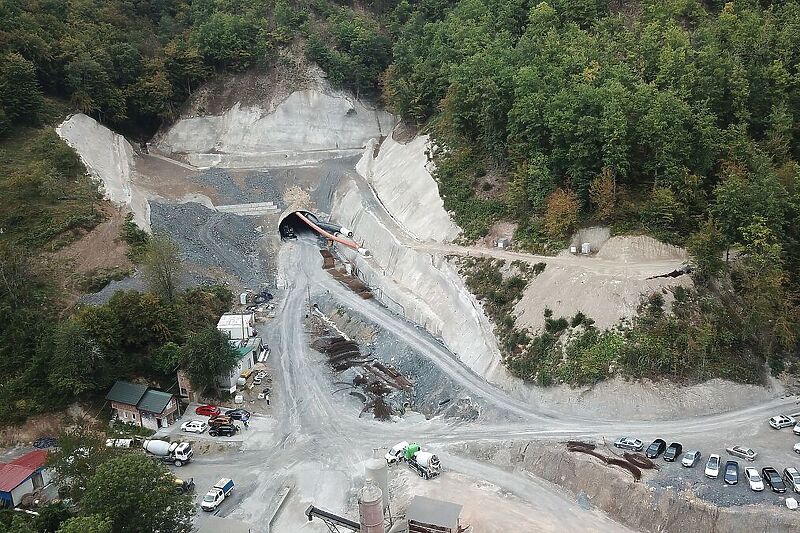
{"points": [[561, 215]]}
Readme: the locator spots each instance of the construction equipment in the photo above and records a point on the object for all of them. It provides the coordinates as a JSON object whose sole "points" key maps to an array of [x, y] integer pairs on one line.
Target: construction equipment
{"points": [[334, 522]]}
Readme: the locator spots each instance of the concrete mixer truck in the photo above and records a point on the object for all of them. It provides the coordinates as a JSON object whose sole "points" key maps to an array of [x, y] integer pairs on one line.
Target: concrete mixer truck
{"points": [[425, 464], [174, 453]]}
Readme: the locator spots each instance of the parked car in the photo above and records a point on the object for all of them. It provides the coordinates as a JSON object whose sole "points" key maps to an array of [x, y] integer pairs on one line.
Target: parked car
{"points": [[690, 458], [731, 476], [773, 479], [207, 410], [743, 452], [656, 448], [796, 448], [792, 478], [673, 451], [629, 443], [712, 466], [225, 430], [194, 426], [753, 479], [796, 429], [238, 414], [781, 421], [220, 420]]}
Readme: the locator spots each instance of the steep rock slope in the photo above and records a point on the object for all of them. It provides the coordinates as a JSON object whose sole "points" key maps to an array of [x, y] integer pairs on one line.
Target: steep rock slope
{"points": [[400, 174]]}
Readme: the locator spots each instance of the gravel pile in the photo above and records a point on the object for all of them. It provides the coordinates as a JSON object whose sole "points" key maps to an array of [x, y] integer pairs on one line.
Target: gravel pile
{"points": [[259, 187], [213, 240]]}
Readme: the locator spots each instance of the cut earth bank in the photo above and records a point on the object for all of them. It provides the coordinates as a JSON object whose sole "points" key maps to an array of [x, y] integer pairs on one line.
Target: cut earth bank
{"points": [[644, 506]]}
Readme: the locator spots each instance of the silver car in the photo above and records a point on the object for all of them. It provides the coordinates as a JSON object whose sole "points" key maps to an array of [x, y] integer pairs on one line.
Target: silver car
{"points": [[629, 443], [743, 452], [690, 458]]}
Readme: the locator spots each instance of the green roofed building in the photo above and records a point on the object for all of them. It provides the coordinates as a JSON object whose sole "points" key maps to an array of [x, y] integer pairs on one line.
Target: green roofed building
{"points": [[140, 405]]}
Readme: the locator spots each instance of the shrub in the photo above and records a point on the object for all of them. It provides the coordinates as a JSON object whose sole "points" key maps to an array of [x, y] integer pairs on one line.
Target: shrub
{"points": [[561, 215]]}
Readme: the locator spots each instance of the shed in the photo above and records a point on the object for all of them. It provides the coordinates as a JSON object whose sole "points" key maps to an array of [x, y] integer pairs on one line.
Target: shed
{"points": [[21, 476], [237, 326], [426, 515]]}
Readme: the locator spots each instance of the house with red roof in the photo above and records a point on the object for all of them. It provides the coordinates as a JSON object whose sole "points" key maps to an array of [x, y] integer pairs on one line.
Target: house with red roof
{"points": [[21, 476]]}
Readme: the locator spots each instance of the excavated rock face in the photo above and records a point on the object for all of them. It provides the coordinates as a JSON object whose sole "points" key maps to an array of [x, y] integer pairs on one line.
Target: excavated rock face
{"points": [[636, 505], [302, 126], [401, 177]]}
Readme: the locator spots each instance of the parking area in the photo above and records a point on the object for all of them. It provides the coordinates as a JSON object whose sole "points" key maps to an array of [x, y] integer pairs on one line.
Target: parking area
{"points": [[257, 424], [774, 449]]}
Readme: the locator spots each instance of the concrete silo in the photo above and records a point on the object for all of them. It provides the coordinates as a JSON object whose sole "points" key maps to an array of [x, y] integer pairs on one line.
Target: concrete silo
{"points": [[370, 508]]}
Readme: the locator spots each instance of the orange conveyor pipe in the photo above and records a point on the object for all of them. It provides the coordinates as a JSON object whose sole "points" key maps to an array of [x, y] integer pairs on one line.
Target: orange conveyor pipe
{"points": [[329, 235]]}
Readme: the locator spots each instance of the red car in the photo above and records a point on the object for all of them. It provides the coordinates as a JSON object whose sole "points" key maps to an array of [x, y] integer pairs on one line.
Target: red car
{"points": [[207, 410]]}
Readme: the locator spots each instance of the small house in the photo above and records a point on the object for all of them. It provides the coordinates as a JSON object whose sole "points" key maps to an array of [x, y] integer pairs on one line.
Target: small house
{"points": [[142, 406], [22, 476], [250, 352], [237, 326], [426, 515]]}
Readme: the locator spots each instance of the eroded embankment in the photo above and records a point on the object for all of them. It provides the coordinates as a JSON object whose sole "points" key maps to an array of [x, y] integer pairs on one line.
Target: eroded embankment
{"points": [[636, 505], [422, 287], [109, 158]]}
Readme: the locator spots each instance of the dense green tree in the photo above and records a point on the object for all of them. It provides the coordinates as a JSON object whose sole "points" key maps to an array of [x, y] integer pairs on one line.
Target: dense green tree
{"points": [[81, 451], [137, 494], [93, 523], [162, 266], [20, 96], [77, 360], [706, 247], [208, 355]]}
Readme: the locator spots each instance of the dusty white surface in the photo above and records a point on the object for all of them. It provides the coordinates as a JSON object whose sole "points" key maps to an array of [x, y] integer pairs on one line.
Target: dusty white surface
{"points": [[401, 178], [607, 287], [308, 126], [489, 506], [109, 158]]}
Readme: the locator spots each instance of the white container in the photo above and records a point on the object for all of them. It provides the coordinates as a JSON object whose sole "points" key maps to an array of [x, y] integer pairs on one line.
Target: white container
{"points": [[586, 248], [573, 249], [238, 399]]}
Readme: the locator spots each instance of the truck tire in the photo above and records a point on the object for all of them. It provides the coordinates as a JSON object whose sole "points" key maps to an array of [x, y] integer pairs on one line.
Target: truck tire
{"points": [[178, 462]]}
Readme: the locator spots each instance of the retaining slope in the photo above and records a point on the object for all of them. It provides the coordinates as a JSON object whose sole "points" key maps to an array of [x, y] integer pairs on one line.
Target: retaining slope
{"points": [[308, 126], [422, 287], [401, 178]]}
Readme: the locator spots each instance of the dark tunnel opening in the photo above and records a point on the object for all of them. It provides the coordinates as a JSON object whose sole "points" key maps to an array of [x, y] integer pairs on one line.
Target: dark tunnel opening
{"points": [[291, 226]]}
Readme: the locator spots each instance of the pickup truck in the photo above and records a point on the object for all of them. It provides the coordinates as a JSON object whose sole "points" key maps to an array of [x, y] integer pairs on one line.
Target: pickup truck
{"points": [[216, 494]]}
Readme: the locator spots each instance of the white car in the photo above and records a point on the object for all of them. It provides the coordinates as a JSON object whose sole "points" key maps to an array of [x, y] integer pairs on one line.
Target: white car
{"points": [[194, 426], [690, 458], [712, 466], [756, 483], [796, 429], [796, 448], [781, 421], [396, 452]]}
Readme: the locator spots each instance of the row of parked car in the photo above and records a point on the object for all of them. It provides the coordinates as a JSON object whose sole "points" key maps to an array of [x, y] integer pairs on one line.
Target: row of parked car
{"points": [[218, 424], [769, 475]]}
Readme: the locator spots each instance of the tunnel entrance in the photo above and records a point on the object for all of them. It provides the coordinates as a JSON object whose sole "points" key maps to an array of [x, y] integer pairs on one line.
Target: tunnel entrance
{"points": [[292, 226]]}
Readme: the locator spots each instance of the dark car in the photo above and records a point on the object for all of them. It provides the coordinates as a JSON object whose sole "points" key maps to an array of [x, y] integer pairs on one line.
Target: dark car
{"points": [[238, 414], [656, 448], [731, 473], [673, 451], [773, 479], [225, 430]]}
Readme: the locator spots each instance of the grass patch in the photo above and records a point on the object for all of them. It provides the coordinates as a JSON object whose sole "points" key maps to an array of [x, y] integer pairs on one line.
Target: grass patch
{"points": [[46, 199]]}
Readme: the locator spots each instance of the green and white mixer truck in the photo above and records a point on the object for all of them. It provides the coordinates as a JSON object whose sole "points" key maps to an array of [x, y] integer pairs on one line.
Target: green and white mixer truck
{"points": [[425, 464]]}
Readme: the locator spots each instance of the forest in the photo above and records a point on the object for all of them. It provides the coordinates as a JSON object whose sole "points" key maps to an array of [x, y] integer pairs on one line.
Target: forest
{"points": [[676, 119]]}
